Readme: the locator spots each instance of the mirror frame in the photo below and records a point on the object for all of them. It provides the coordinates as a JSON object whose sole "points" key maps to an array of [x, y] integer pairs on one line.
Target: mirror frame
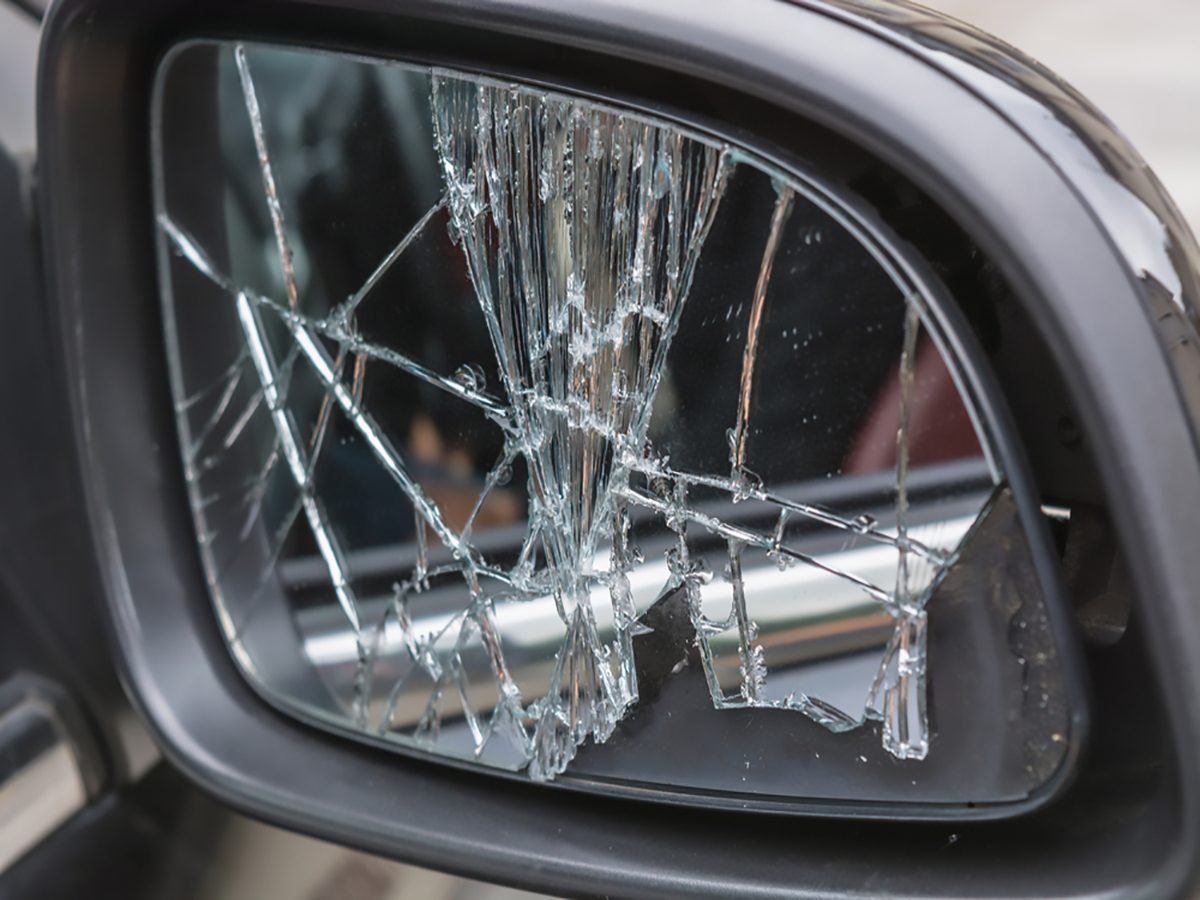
{"points": [[993, 756]]}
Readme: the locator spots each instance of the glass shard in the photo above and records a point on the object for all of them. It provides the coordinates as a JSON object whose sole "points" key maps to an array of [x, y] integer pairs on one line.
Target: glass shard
{"points": [[580, 317]]}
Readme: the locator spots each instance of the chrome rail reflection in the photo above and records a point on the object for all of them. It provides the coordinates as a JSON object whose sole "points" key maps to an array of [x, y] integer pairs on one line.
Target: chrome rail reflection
{"points": [[42, 779]]}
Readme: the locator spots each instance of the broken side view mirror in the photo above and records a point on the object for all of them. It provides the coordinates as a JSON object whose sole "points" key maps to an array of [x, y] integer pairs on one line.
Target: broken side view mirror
{"points": [[530, 443]]}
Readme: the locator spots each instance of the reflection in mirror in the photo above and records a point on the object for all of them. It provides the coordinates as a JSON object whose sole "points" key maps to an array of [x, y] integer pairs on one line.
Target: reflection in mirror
{"points": [[516, 424]]}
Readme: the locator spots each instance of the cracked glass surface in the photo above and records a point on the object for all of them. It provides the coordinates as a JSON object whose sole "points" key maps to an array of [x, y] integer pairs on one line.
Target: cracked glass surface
{"points": [[502, 411]]}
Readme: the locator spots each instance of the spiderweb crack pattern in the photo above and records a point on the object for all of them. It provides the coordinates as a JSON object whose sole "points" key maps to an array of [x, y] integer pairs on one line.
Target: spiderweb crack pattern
{"points": [[581, 229]]}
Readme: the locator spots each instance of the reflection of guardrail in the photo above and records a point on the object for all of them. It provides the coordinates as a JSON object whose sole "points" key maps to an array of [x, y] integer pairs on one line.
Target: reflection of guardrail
{"points": [[305, 577], [805, 617]]}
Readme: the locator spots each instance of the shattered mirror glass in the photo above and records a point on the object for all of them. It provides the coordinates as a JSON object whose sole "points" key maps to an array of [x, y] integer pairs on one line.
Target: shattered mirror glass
{"points": [[546, 436]]}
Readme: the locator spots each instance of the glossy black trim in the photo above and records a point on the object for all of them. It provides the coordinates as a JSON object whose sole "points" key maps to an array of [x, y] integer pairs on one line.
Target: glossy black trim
{"points": [[753, 68], [1106, 172]]}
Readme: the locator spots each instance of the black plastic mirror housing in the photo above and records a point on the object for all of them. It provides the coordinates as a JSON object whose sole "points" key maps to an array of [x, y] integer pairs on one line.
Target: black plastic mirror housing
{"points": [[1102, 279]]}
